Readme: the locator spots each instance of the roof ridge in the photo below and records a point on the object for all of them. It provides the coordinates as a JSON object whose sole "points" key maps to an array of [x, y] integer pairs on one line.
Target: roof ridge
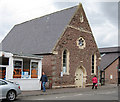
{"points": [[47, 15], [109, 47]]}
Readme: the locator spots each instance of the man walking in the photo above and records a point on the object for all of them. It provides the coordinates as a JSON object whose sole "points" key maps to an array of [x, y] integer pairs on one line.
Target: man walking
{"points": [[43, 79]]}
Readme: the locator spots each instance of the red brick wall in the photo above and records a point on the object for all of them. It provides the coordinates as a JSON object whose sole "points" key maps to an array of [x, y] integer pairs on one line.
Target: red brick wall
{"points": [[47, 64], [112, 70]]}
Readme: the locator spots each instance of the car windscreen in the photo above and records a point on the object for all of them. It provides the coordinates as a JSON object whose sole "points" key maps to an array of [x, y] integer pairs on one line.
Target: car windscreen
{"points": [[9, 81]]}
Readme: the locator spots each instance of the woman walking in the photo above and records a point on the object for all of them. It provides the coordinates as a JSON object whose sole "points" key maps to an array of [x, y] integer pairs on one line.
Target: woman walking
{"points": [[95, 81]]}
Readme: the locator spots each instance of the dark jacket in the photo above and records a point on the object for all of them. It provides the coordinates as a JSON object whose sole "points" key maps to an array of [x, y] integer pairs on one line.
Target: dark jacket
{"points": [[44, 78]]}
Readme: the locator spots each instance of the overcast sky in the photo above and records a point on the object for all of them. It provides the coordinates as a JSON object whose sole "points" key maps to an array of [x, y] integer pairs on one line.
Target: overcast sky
{"points": [[102, 16]]}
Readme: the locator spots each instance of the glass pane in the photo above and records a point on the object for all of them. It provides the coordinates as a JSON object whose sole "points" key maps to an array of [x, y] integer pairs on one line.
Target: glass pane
{"points": [[26, 68], [4, 61], [64, 69], [17, 69], [64, 52], [17, 73], [2, 72], [34, 70], [81, 42], [17, 64], [34, 65], [92, 69], [64, 64], [64, 60]]}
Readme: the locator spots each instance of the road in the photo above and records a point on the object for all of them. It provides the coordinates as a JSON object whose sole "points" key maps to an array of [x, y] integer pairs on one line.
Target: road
{"points": [[107, 94]]}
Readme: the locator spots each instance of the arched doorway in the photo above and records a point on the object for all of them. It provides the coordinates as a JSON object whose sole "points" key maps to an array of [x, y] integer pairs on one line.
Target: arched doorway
{"points": [[80, 77]]}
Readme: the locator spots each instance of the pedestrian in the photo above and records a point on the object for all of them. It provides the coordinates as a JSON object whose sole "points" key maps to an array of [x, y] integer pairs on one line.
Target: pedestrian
{"points": [[94, 80], [43, 79]]}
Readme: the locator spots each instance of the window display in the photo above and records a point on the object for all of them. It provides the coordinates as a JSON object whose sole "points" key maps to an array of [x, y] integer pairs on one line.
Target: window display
{"points": [[34, 69], [17, 69]]}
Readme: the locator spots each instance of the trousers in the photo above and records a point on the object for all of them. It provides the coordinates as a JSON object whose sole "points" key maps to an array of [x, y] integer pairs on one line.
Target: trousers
{"points": [[94, 86], [43, 84]]}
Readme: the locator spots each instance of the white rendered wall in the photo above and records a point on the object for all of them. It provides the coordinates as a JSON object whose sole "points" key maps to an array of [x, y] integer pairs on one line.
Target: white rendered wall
{"points": [[25, 84], [28, 84], [9, 69]]}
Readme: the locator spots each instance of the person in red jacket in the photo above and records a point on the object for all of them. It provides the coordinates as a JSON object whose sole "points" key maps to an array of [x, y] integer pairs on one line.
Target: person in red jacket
{"points": [[95, 81]]}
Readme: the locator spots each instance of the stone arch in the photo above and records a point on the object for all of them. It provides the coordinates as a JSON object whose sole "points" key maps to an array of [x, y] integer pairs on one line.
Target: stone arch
{"points": [[80, 77]]}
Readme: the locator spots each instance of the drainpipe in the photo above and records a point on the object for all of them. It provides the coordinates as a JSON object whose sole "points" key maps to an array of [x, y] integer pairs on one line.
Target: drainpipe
{"points": [[98, 75], [99, 70]]}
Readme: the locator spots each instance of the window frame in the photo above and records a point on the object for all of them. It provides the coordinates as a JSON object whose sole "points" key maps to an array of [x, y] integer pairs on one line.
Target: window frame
{"points": [[93, 66], [67, 62], [31, 68], [18, 59], [84, 43]]}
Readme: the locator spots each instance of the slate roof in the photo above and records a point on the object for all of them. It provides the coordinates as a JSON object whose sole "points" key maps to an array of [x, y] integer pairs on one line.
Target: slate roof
{"points": [[108, 56], [109, 49], [38, 36]]}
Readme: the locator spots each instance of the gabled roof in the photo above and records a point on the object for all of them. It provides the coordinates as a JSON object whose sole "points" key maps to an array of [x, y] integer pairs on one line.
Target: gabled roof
{"points": [[39, 35], [109, 55], [109, 49], [108, 59]]}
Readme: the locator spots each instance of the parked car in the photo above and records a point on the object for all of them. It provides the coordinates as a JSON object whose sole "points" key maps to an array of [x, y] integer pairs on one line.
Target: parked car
{"points": [[9, 90]]}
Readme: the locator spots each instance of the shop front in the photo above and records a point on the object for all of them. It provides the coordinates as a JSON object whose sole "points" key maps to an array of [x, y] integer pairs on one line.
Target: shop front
{"points": [[22, 69]]}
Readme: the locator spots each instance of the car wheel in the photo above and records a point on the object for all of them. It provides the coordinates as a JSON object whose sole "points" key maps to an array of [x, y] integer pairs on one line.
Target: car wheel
{"points": [[11, 95]]}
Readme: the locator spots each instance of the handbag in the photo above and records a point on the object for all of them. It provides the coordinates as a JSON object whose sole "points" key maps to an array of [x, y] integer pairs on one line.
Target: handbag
{"points": [[96, 85]]}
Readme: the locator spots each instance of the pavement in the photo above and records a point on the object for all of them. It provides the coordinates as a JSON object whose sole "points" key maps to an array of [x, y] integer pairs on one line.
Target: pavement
{"points": [[63, 90]]}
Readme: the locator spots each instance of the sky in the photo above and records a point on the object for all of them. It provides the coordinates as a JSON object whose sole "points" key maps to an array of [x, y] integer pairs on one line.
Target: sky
{"points": [[102, 16]]}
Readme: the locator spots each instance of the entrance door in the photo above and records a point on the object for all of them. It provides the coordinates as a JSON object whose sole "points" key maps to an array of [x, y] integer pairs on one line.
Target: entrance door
{"points": [[79, 77], [2, 72]]}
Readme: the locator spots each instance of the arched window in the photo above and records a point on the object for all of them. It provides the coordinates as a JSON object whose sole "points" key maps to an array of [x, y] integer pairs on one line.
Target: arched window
{"points": [[93, 59], [65, 64]]}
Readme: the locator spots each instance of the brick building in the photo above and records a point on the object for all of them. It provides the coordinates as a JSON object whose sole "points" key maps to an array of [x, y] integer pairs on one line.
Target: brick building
{"points": [[109, 65], [65, 40]]}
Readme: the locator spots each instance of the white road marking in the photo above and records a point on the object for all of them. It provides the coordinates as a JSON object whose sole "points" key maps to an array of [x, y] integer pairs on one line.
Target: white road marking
{"points": [[40, 99], [78, 95]]}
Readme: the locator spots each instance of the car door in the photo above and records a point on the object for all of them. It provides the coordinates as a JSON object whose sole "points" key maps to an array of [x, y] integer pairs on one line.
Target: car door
{"points": [[4, 88]]}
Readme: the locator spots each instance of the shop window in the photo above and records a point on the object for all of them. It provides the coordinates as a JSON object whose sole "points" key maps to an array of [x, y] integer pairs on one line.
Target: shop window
{"points": [[17, 69], [4, 61], [2, 72], [34, 69], [26, 68]]}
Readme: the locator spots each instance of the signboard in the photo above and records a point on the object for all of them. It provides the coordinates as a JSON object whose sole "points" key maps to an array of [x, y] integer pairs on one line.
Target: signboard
{"points": [[25, 75], [111, 76], [61, 74]]}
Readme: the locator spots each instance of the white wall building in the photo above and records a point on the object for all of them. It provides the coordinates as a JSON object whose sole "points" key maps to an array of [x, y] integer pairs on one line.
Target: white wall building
{"points": [[23, 69]]}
